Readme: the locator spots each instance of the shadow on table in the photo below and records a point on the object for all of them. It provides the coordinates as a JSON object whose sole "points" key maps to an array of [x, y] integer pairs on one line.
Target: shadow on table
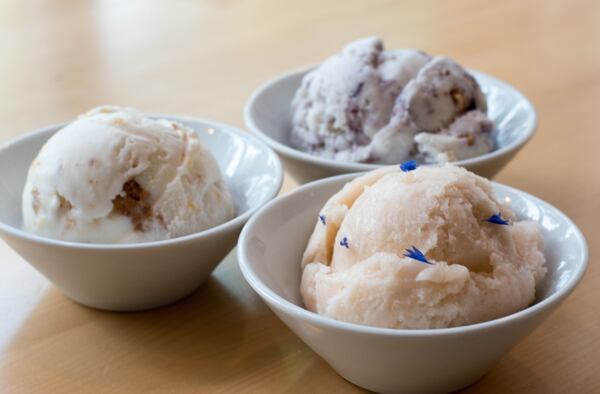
{"points": [[509, 376], [221, 337]]}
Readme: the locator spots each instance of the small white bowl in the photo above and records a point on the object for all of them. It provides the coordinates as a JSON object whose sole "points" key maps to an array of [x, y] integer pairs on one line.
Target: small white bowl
{"points": [[125, 277], [399, 361], [268, 115]]}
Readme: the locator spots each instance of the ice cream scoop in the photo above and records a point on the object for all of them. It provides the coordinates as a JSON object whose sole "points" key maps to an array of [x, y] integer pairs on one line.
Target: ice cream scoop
{"points": [[342, 104], [116, 176], [367, 105], [427, 248]]}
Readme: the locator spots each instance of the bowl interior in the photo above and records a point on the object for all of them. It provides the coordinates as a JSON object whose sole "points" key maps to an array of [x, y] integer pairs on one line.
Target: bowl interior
{"points": [[250, 169], [273, 242], [268, 114]]}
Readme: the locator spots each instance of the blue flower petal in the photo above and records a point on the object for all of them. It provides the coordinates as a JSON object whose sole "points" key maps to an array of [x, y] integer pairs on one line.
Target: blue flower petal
{"points": [[497, 219], [416, 254], [408, 166], [344, 242]]}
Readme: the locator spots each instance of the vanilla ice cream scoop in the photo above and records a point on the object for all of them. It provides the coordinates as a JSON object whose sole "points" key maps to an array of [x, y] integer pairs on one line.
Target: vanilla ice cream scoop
{"points": [[115, 176], [366, 104], [428, 248]]}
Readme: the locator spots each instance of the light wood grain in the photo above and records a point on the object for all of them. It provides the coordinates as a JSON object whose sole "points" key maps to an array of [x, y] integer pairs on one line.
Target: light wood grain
{"points": [[203, 58]]}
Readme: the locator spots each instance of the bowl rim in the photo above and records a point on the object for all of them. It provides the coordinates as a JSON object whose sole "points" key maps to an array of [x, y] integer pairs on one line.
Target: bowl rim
{"points": [[297, 154], [298, 312], [237, 220]]}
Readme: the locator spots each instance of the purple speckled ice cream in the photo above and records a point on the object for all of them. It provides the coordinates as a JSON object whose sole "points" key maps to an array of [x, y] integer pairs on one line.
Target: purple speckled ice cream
{"points": [[365, 104]]}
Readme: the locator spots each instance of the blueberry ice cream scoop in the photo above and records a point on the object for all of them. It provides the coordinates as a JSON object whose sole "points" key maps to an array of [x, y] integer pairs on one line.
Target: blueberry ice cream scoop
{"points": [[366, 104]]}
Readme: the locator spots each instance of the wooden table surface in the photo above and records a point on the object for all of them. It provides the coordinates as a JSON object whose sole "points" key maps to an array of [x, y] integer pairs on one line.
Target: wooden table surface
{"points": [[204, 58]]}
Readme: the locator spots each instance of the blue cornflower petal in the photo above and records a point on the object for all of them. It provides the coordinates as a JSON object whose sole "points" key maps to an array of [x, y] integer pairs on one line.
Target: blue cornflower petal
{"points": [[497, 219], [344, 243], [323, 219], [408, 166], [416, 254]]}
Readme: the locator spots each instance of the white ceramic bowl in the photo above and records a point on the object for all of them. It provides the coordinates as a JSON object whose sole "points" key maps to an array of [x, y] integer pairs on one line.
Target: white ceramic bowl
{"points": [[268, 116], [388, 360], [145, 275]]}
